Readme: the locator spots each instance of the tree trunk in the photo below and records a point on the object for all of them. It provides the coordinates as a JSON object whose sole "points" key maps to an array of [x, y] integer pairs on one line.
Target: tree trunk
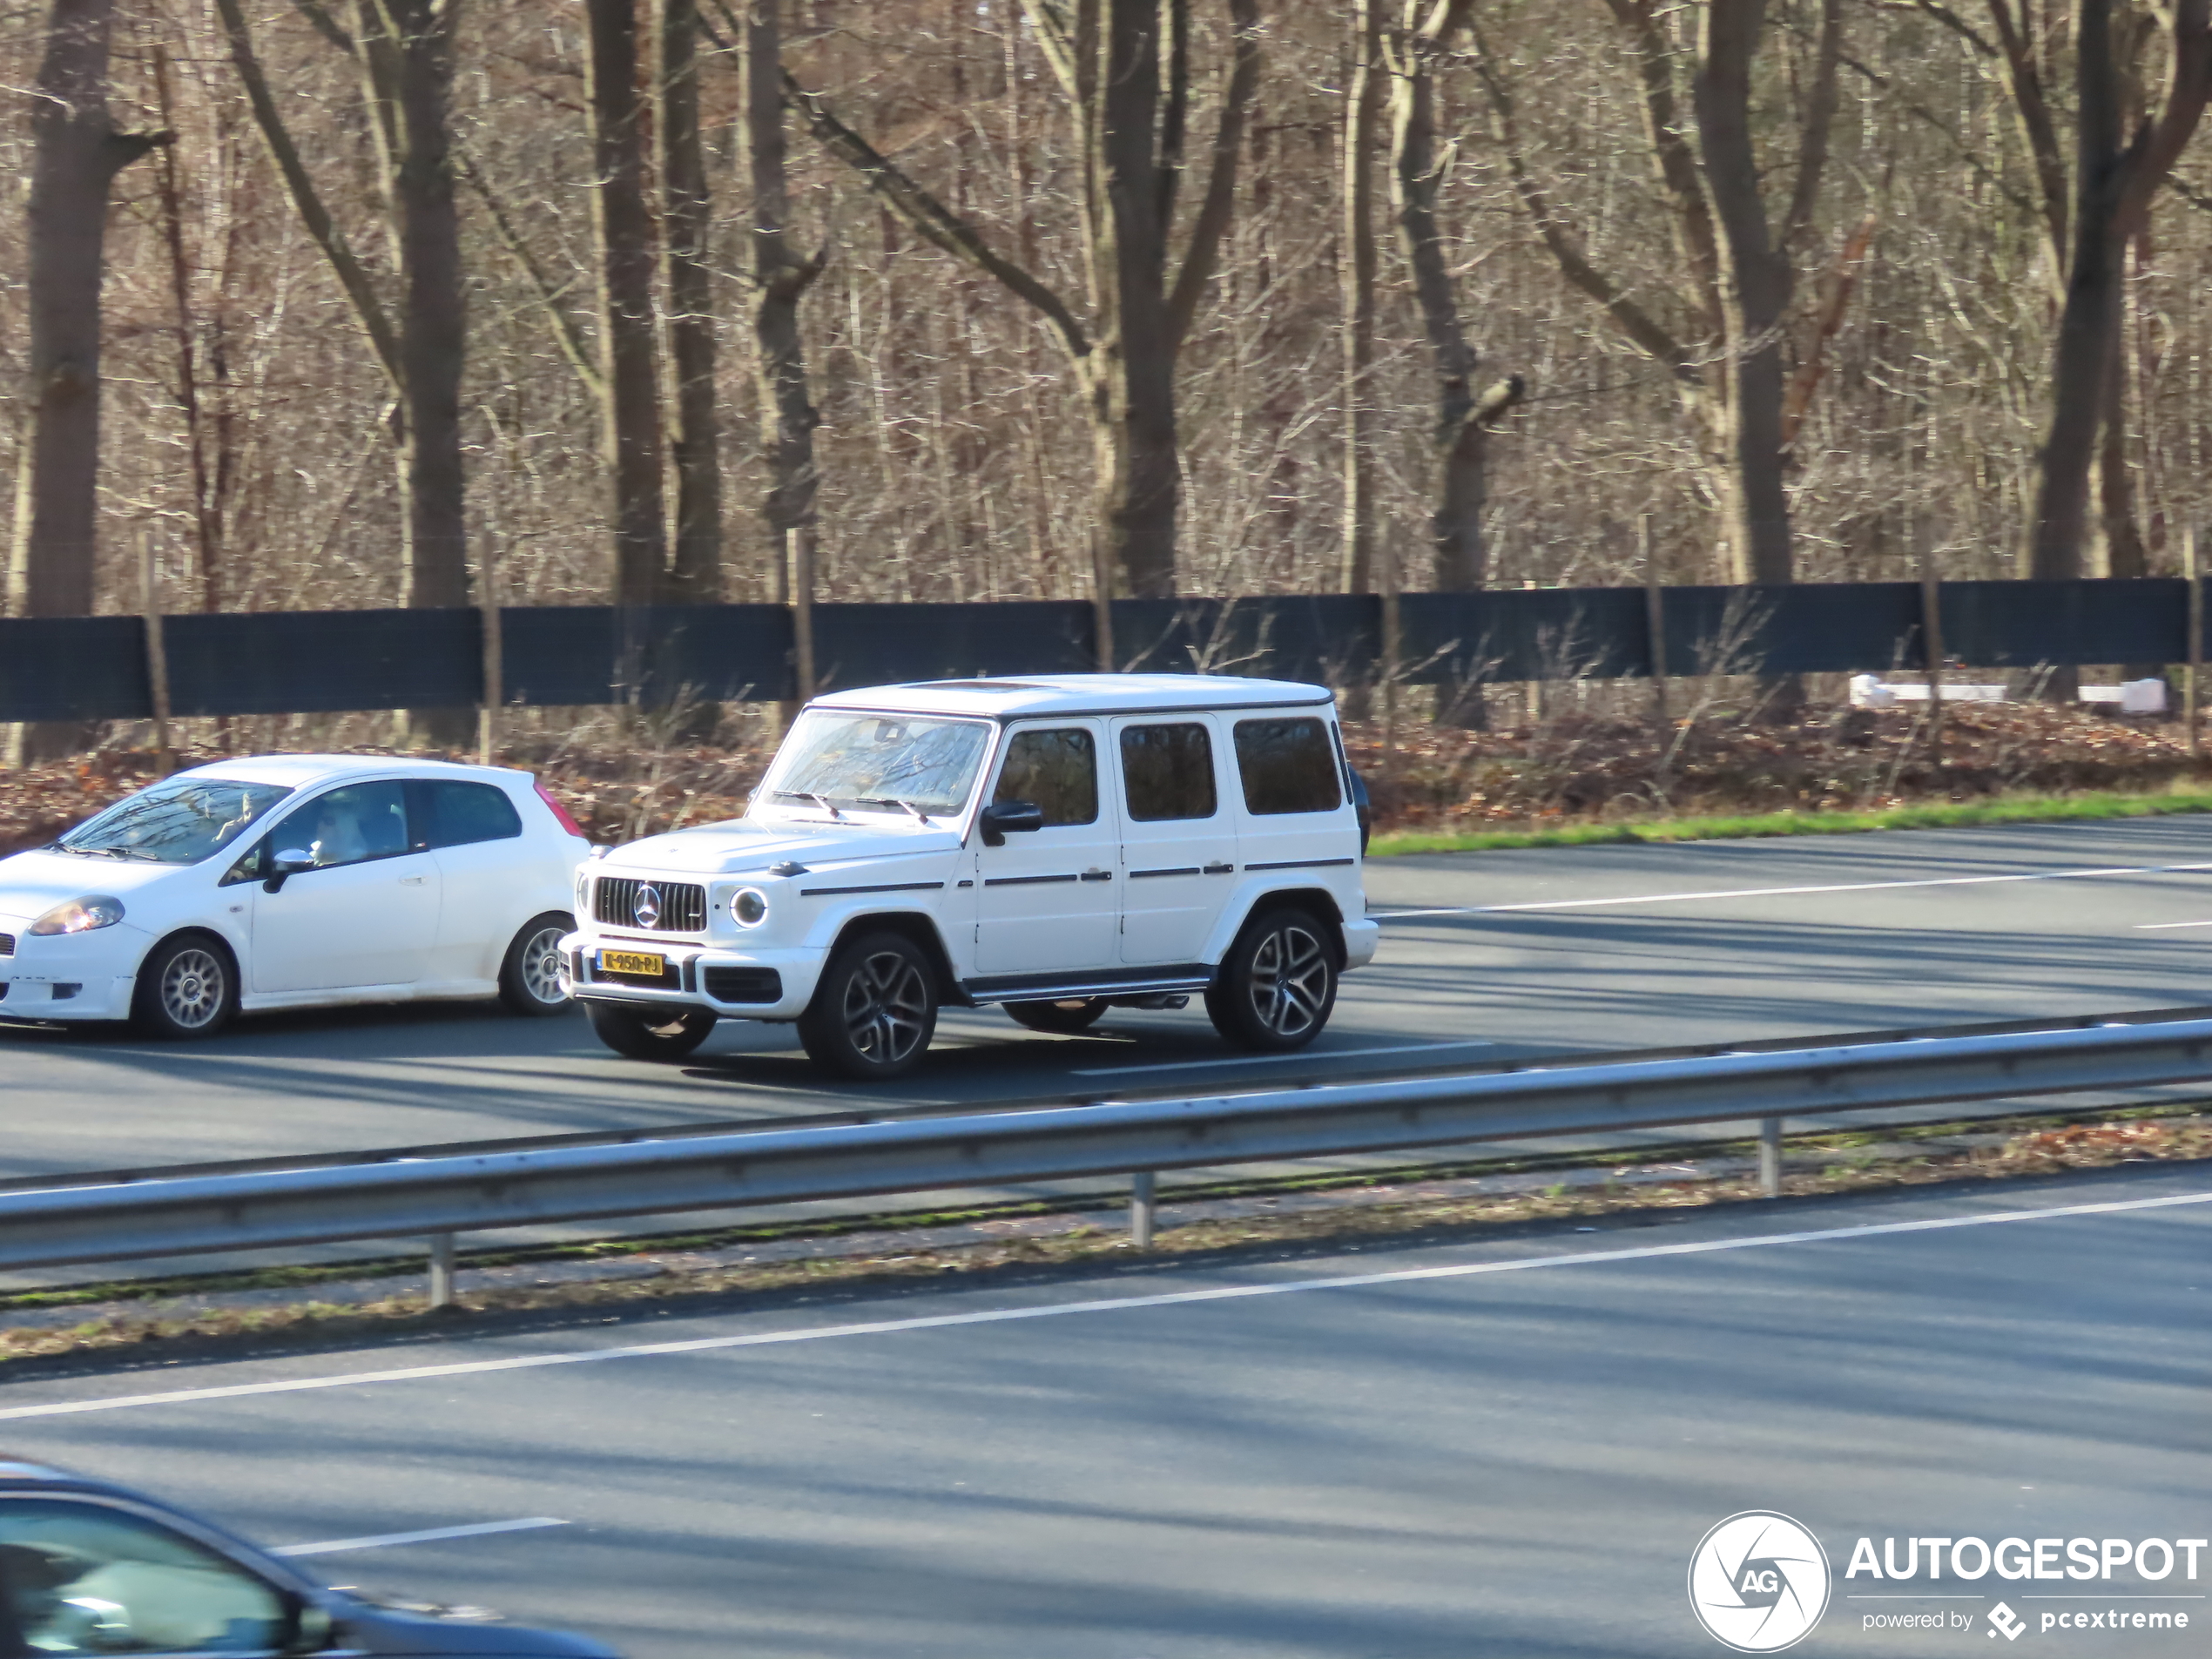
{"points": [[1356, 264], [686, 213], [1132, 400], [780, 277], [622, 222], [2116, 175], [77, 152], [1754, 294]]}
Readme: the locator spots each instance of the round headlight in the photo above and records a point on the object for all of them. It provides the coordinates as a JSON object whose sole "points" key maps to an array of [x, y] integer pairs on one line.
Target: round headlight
{"points": [[750, 907], [78, 916]]}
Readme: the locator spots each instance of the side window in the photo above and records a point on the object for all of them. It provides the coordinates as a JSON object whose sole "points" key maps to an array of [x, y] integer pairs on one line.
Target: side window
{"points": [[1057, 770], [348, 825], [460, 815], [1167, 772], [82, 1578], [1287, 766]]}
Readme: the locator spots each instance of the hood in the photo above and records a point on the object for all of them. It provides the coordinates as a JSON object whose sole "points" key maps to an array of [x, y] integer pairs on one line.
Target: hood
{"points": [[33, 883], [745, 844]]}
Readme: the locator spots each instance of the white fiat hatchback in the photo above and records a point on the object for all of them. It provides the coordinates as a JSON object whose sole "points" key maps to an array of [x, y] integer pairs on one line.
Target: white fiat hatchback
{"points": [[289, 880], [1058, 846]]}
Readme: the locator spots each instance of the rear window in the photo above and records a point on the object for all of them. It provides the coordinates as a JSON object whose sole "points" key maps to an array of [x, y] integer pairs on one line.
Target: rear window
{"points": [[1287, 766], [459, 814], [1167, 772], [1056, 770]]}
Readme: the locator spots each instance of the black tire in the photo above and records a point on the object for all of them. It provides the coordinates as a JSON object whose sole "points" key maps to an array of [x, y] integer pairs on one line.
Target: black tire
{"points": [[875, 1010], [530, 975], [1277, 984], [649, 1034], [1068, 1017], [187, 988]]}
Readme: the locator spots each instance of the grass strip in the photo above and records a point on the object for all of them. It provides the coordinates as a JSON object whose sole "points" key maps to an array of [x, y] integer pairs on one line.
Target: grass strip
{"points": [[2002, 809]]}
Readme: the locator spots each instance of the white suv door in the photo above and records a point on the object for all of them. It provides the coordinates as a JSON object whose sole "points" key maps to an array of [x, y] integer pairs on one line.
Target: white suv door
{"points": [[1047, 901], [1179, 835], [366, 912]]}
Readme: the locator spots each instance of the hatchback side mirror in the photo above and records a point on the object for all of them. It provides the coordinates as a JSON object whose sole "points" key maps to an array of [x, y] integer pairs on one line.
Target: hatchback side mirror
{"points": [[287, 863], [1004, 818]]}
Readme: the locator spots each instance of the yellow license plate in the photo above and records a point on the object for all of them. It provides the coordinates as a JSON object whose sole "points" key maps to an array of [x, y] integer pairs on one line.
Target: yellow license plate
{"points": [[632, 961]]}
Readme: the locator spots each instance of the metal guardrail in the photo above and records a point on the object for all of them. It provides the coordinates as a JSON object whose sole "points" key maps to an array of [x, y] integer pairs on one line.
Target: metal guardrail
{"points": [[155, 1214]]}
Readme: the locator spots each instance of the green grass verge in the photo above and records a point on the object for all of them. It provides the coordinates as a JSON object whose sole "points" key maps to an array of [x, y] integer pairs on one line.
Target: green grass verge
{"points": [[2002, 809]]}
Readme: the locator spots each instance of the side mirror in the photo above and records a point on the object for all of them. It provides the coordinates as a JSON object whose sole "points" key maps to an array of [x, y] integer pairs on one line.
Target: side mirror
{"points": [[309, 1627], [1004, 818], [1359, 807], [289, 862]]}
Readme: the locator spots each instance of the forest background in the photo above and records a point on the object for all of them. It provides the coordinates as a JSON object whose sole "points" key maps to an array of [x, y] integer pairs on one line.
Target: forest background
{"points": [[342, 303]]}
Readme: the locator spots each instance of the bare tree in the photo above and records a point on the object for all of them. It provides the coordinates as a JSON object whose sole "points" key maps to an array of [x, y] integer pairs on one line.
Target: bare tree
{"points": [[1123, 68], [2116, 174], [623, 227], [687, 216], [1362, 110], [78, 151]]}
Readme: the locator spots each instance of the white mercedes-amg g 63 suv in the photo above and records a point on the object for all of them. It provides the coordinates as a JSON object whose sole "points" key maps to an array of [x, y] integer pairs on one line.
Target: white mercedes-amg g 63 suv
{"points": [[1059, 846]]}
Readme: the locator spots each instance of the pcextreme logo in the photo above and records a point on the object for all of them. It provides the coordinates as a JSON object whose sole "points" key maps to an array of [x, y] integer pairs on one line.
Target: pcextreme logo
{"points": [[1759, 1581]]}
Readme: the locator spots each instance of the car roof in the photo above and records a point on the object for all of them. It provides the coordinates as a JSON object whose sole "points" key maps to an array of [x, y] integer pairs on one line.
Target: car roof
{"points": [[300, 771], [1064, 694]]}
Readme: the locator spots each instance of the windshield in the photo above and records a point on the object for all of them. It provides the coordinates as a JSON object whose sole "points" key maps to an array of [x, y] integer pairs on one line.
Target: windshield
{"points": [[883, 762], [178, 821]]}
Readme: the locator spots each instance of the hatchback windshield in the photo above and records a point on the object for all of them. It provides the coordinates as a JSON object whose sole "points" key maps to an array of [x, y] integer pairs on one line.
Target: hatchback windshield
{"points": [[884, 762], [178, 821]]}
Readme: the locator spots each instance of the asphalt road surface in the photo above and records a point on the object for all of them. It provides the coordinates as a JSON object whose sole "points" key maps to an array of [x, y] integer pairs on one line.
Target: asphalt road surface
{"points": [[1484, 956], [1509, 1446]]}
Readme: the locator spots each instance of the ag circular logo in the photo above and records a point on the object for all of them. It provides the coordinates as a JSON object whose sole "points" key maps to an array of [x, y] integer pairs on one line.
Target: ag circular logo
{"points": [[1758, 1582], [645, 909]]}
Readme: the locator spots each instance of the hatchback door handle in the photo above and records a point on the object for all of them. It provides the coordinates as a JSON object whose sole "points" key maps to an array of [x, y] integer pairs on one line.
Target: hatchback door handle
{"points": [[410, 880]]}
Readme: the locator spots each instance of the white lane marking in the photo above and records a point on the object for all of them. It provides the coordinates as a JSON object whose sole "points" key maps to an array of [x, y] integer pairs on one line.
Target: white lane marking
{"points": [[1107, 1305], [1781, 893], [385, 1541], [2159, 926], [1262, 1059]]}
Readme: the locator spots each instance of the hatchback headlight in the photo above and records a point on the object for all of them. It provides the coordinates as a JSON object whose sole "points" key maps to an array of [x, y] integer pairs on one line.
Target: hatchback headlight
{"points": [[750, 907], [78, 916]]}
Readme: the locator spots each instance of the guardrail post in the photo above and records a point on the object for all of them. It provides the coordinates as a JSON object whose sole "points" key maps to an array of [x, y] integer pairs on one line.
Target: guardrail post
{"points": [[1770, 1157], [440, 1269], [1142, 1188]]}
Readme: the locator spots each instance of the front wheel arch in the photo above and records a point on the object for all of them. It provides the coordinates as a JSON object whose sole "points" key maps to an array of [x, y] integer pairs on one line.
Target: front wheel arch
{"points": [[921, 930]]}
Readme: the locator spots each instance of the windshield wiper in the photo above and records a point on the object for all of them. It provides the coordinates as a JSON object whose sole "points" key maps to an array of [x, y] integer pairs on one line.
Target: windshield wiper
{"points": [[893, 801], [822, 801]]}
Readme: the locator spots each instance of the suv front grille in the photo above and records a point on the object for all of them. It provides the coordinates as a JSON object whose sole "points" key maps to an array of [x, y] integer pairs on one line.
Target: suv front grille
{"points": [[682, 906]]}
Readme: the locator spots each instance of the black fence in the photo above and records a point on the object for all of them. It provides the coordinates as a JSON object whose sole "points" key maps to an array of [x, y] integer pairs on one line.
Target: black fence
{"points": [[84, 668]]}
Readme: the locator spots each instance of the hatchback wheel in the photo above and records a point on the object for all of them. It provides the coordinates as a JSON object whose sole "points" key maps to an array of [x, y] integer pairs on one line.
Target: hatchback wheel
{"points": [[650, 1033], [187, 987], [1277, 984], [875, 1010], [1067, 1017], [530, 978]]}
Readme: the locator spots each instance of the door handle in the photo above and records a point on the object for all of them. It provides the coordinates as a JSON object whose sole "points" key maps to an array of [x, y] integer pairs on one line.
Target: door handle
{"points": [[1096, 875], [410, 880], [1221, 869]]}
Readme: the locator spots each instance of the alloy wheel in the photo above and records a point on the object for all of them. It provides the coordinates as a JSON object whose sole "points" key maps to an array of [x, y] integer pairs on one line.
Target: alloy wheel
{"points": [[193, 989], [1289, 980], [541, 966], [886, 1008]]}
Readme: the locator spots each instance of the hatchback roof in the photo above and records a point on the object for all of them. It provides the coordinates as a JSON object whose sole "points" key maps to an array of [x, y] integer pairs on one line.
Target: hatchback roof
{"points": [[299, 771], [1080, 693]]}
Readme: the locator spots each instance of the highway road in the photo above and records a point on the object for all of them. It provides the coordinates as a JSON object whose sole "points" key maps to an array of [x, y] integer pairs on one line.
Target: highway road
{"points": [[1485, 956], [1508, 1446]]}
